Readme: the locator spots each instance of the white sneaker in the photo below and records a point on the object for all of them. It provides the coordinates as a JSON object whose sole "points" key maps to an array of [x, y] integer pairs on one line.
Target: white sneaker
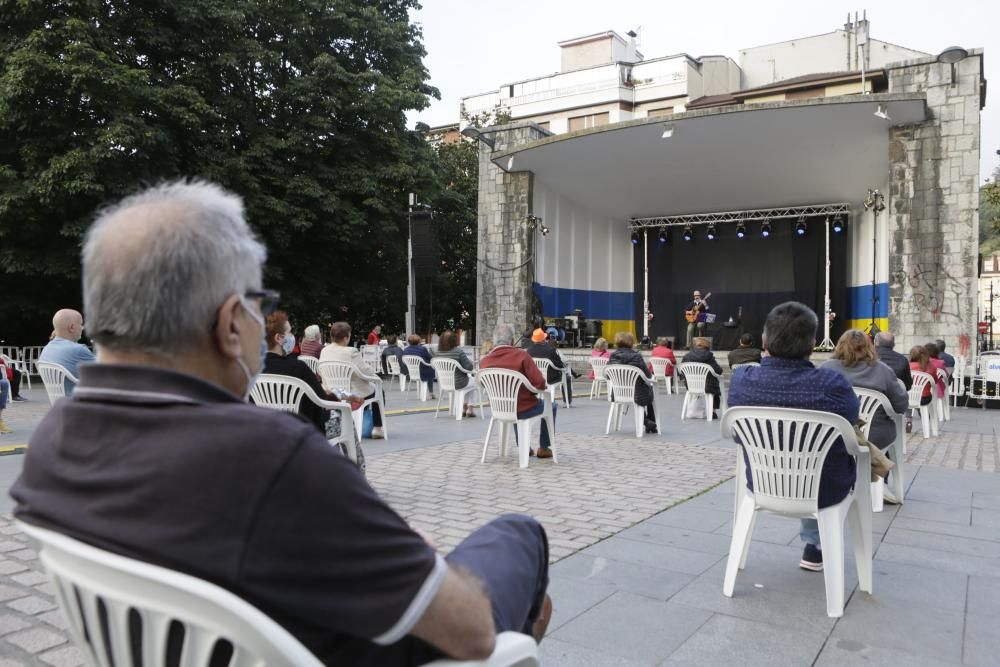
{"points": [[377, 433]]}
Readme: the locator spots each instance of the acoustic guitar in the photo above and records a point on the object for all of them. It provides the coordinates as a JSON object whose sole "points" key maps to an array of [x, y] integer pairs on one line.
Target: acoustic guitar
{"points": [[692, 315]]}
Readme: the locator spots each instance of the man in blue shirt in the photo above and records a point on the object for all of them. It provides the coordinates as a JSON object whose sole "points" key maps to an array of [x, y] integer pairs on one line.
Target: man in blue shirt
{"points": [[787, 379], [64, 349]]}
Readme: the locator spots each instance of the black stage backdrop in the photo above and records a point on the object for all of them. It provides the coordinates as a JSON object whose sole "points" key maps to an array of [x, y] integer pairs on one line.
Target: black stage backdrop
{"points": [[753, 272]]}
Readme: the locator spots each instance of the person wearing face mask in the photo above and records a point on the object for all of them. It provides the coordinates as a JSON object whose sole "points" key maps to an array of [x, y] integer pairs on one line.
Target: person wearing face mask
{"points": [[280, 342], [156, 456]]}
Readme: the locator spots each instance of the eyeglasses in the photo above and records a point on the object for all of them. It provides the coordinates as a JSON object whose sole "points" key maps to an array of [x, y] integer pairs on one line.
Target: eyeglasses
{"points": [[269, 300]]}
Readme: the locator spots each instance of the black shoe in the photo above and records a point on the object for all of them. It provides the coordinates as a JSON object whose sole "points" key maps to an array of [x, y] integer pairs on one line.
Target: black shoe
{"points": [[19, 398], [812, 559], [650, 427]]}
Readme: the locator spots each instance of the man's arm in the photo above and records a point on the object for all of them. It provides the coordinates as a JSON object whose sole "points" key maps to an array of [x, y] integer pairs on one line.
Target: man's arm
{"points": [[459, 619]]}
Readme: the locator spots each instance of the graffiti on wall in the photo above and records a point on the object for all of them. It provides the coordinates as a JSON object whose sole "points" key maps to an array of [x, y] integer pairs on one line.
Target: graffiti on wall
{"points": [[929, 289]]}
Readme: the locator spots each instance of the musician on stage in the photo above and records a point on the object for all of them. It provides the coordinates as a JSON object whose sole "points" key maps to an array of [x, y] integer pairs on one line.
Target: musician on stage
{"points": [[696, 314]]}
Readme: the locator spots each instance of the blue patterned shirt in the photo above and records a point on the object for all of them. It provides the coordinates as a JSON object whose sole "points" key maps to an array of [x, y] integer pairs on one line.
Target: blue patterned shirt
{"points": [[796, 383]]}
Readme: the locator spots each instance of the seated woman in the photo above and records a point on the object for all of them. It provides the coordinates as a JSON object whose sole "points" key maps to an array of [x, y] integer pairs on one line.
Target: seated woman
{"points": [[855, 358], [936, 362], [340, 350], [701, 353], [920, 361], [448, 349], [277, 362], [600, 351], [663, 350], [624, 354]]}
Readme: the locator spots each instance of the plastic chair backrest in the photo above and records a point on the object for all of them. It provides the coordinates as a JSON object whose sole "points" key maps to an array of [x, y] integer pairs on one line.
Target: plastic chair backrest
{"points": [[413, 363], [786, 449], [696, 375], [598, 364], [278, 392], [311, 362], [543, 365], [336, 375], [621, 381], [393, 361], [871, 401], [660, 366], [446, 370], [100, 594], [501, 386], [920, 380], [54, 377]]}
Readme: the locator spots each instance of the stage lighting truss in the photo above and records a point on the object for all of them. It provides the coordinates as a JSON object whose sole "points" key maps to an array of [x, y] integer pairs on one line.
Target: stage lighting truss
{"points": [[688, 234], [765, 216], [800, 226], [710, 233], [662, 236], [838, 224], [741, 231], [765, 228]]}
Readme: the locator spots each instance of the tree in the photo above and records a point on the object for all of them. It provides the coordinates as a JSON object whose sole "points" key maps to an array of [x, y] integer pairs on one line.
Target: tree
{"points": [[989, 215], [299, 107]]}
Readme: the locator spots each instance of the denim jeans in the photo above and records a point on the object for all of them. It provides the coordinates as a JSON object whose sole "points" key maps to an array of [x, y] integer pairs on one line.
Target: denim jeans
{"points": [[809, 532], [4, 392], [534, 412]]}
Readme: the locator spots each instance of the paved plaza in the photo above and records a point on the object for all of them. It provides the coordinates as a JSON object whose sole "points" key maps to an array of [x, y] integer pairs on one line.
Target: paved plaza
{"points": [[639, 530]]}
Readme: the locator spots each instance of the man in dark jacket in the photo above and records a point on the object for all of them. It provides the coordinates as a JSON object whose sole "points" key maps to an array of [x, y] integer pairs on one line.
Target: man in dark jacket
{"points": [[900, 365], [426, 372], [541, 349], [625, 354], [746, 353], [701, 353], [949, 361], [392, 350]]}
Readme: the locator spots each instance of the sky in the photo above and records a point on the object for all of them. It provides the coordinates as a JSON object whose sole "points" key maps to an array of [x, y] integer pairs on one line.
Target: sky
{"points": [[475, 46]]}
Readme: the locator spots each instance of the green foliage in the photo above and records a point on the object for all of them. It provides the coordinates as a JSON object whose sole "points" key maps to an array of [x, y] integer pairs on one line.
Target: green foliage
{"points": [[989, 217], [297, 106]]}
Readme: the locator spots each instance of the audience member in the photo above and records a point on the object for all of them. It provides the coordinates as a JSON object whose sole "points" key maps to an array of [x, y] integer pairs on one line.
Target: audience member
{"points": [[312, 342], [855, 359], [746, 353], [600, 351], [624, 354], [540, 348], [949, 361], [664, 350], [392, 349], [14, 376], [787, 379], [900, 365], [937, 363], [921, 361], [485, 348], [156, 444], [375, 335], [448, 348], [64, 348], [701, 352], [277, 362], [415, 346], [340, 350], [505, 355], [4, 393]]}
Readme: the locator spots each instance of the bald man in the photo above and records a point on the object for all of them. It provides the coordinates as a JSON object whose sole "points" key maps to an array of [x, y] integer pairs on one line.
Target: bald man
{"points": [[64, 349]]}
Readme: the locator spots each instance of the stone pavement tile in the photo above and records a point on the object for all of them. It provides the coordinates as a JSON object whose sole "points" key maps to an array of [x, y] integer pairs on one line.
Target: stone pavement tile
{"points": [[56, 619], [634, 627], [30, 578], [896, 584], [768, 528], [8, 566], [977, 482], [982, 641], [688, 515], [984, 596], [12, 623], [639, 579], [944, 528], [914, 628], [930, 491], [5, 662], [917, 509], [941, 560], [986, 519], [11, 592], [570, 598], [726, 640], [654, 555], [36, 640], [683, 538], [31, 605], [850, 653], [68, 656], [959, 545], [554, 653], [989, 501]]}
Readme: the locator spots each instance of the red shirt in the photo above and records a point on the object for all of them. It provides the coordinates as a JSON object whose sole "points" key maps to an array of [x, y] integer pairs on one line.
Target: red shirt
{"points": [[515, 359], [373, 338], [666, 353]]}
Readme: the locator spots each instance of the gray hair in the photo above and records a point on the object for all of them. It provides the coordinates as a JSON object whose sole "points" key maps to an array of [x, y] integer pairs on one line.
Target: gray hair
{"points": [[503, 334], [885, 339], [158, 264], [312, 332]]}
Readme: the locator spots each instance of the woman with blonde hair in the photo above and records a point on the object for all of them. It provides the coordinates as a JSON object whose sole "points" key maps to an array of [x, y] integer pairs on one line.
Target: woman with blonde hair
{"points": [[601, 351], [855, 359]]}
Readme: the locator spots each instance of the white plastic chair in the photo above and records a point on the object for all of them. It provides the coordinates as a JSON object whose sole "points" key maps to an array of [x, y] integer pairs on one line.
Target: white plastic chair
{"points": [[786, 449], [311, 362], [285, 394], [871, 401], [337, 375], [55, 378], [29, 355], [501, 388], [696, 376], [598, 364], [392, 361], [660, 368], [370, 358], [956, 389], [87, 579], [413, 365], [446, 370], [943, 408], [543, 366], [928, 420], [19, 366], [621, 385]]}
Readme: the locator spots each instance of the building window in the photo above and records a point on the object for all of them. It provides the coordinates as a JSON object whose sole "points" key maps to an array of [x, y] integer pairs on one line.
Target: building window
{"points": [[593, 120], [662, 111]]}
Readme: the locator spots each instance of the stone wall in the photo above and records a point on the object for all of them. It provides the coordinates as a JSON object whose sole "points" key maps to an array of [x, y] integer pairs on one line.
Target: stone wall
{"points": [[506, 242], [933, 205]]}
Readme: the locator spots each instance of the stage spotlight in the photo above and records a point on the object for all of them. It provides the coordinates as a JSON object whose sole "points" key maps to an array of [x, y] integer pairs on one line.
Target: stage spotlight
{"points": [[688, 234], [838, 224], [663, 238], [710, 233], [635, 238], [800, 226], [765, 228], [741, 231]]}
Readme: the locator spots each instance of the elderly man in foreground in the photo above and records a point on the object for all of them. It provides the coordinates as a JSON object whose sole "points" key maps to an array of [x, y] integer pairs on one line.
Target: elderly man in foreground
{"points": [[787, 379], [158, 456]]}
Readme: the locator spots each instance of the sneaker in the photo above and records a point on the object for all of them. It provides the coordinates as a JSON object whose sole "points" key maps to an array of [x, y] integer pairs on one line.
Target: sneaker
{"points": [[544, 453], [812, 558], [19, 398], [377, 433]]}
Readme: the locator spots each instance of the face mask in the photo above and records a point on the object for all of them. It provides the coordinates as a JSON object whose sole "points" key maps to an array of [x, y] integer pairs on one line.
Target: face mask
{"points": [[251, 377], [288, 344]]}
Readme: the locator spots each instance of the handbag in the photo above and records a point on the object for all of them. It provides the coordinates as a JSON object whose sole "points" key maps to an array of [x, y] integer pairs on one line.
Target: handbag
{"points": [[881, 464]]}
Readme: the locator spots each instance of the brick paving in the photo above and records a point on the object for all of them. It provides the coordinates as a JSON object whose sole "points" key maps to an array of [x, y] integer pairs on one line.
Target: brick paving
{"points": [[955, 450], [600, 486]]}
